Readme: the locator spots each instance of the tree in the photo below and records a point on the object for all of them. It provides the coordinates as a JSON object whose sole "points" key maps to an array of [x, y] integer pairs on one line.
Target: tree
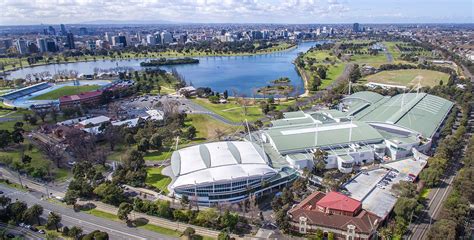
{"points": [[4, 201], [16, 210], [223, 236], [319, 158], [189, 233], [110, 193], [213, 99], [96, 235], [123, 211], [5, 138], [156, 141], [143, 145], [75, 232], [191, 133], [26, 159], [53, 220], [112, 135], [443, 229], [53, 152], [34, 212]]}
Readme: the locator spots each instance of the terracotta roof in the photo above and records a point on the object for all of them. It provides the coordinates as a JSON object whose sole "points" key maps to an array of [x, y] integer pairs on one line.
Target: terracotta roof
{"points": [[365, 222], [80, 96], [339, 201]]}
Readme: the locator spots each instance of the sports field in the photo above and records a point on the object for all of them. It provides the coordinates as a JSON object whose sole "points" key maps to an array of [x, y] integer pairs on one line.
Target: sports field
{"points": [[66, 90], [408, 77]]}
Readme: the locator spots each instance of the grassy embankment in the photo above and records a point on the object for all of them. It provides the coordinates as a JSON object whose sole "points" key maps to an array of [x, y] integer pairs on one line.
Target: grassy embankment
{"points": [[334, 66]]}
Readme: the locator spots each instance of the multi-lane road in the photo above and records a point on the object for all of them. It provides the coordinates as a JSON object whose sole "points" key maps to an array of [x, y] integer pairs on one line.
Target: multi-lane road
{"points": [[87, 222]]}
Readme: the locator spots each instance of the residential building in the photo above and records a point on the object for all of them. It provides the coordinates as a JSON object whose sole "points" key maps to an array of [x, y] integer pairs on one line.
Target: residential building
{"points": [[166, 37], [41, 42]]}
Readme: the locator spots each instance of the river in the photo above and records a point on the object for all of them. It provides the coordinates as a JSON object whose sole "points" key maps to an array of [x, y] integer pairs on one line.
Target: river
{"points": [[243, 74]]}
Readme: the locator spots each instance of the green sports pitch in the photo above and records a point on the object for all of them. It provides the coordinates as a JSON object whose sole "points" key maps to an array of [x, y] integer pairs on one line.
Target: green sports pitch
{"points": [[64, 91], [409, 77]]}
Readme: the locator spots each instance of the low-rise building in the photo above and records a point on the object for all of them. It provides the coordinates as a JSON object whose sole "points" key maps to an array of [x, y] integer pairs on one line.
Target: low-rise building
{"points": [[335, 213], [85, 98]]}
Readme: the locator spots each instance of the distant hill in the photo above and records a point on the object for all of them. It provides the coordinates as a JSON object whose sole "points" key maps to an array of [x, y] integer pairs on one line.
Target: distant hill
{"points": [[125, 22]]}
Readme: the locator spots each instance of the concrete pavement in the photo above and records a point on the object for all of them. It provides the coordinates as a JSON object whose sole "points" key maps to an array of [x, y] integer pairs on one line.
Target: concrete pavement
{"points": [[89, 223]]}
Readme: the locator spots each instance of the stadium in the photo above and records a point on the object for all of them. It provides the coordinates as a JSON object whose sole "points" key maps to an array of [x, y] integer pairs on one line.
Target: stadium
{"points": [[223, 172], [32, 95], [368, 126]]}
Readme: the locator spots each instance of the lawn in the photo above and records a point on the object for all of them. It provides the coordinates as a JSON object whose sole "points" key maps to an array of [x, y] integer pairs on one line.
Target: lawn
{"points": [[158, 180], [103, 214], [207, 126], [66, 90], [372, 60], [231, 110], [38, 160], [324, 57], [409, 77], [162, 230]]}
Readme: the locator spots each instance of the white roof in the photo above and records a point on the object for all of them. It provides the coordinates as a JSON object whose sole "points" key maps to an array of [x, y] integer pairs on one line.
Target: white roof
{"points": [[218, 161], [95, 120], [155, 114]]}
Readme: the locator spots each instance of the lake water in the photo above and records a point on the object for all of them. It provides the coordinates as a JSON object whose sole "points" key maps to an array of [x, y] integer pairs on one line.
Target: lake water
{"points": [[243, 74]]}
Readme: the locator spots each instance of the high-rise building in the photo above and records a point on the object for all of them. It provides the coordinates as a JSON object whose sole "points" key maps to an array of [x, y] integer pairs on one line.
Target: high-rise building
{"points": [[32, 47], [356, 27], [21, 46], [108, 37], [166, 37], [91, 45], [7, 43], [51, 45], [150, 40], [63, 30], [122, 41], [83, 31], [51, 31], [41, 42], [70, 41]]}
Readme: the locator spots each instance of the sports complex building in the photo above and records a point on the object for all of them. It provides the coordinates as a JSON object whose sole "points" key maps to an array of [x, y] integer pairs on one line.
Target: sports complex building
{"points": [[221, 172], [368, 126]]}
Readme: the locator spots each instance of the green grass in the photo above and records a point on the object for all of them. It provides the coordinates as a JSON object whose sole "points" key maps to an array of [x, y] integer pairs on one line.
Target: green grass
{"points": [[334, 71], [409, 77], [206, 127], [232, 111], [158, 155], [162, 230], [66, 90], [12, 185], [38, 160], [102, 214], [158, 180]]}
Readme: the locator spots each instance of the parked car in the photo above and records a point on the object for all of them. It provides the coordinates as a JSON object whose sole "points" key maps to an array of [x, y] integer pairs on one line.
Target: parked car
{"points": [[42, 231]]}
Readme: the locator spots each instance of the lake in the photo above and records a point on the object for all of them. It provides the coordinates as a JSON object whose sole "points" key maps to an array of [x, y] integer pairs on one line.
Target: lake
{"points": [[243, 74]]}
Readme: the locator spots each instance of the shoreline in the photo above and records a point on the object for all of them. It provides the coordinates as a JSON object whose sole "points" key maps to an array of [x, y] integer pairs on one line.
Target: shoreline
{"points": [[100, 58]]}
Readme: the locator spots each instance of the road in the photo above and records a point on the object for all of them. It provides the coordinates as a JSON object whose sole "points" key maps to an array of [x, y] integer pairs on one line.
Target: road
{"points": [[420, 227], [87, 222]]}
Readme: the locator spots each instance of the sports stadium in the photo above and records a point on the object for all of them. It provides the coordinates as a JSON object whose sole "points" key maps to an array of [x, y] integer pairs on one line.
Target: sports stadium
{"points": [[47, 93], [223, 172]]}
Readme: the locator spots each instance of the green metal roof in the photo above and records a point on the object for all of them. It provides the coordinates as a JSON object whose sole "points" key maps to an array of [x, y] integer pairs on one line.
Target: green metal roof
{"points": [[367, 96], [419, 112], [298, 138]]}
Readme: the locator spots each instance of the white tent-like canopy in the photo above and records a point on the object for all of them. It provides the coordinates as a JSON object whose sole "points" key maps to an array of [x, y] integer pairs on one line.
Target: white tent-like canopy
{"points": [[218, 162]]}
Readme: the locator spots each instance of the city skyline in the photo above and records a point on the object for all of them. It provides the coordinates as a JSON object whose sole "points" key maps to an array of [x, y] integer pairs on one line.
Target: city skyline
{"points": [[230, 11]]}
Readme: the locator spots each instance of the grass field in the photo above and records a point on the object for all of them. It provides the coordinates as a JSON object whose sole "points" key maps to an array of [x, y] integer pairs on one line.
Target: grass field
{"points": [[408, 77], [158, 180], [231, 110], [324, 57], [66, 90], [38, 160]]}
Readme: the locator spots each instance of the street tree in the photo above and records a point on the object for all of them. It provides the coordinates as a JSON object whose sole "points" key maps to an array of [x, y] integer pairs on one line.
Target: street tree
{"points": [[34, 212], [123, 211], [53, 220]]}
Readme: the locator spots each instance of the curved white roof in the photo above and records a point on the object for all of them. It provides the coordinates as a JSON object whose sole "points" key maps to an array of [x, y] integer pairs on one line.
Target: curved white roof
{"points": [[218, 161]]}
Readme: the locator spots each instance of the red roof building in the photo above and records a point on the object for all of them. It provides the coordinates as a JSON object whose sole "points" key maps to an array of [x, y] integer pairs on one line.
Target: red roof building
{"points": [[92, 98], [334, 212]]}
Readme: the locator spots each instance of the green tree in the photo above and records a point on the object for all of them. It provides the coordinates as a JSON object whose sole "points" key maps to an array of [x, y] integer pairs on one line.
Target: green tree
{"points": [[75, 232], [96, 235], [16, 210], [191, 133], [34, 212], [189, 233], [53, 220], [223, 236], [156, 141], [443, 229], [123, 211], [5, 138]]}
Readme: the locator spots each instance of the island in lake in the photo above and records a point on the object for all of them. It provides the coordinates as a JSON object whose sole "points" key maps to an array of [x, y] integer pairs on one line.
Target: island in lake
{"points": [[165, 61], [280, 86]]}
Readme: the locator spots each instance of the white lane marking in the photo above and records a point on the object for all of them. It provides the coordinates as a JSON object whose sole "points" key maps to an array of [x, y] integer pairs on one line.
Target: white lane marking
{"points": [[101, 226]]}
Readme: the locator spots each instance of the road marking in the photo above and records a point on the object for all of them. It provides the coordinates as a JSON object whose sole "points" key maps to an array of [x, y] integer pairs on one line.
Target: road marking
{"points": [[101, 226]]}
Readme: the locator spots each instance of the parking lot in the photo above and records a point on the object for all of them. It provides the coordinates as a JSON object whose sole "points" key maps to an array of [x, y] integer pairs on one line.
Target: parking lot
{"points": [[374, 187]]}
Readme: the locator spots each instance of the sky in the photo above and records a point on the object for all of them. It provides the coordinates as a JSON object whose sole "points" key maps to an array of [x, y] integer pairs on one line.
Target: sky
{"points": [[21, 12]]}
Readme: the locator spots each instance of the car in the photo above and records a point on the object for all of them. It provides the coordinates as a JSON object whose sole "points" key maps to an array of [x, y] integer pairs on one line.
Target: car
{"points": [[27, 226], [42, 231], [21, 224], [1, 192], [10, 235]]}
